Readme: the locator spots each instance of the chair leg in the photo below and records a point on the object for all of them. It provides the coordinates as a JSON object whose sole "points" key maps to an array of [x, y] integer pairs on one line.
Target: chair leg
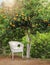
{"points": [[22, 55], [12, 55]]}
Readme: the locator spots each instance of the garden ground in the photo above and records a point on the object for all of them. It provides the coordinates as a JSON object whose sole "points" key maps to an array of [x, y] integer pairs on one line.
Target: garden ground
{"points": [[20, 61]]}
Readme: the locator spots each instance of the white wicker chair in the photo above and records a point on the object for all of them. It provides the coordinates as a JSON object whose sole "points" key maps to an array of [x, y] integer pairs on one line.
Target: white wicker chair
{"points": [[16, 47]]}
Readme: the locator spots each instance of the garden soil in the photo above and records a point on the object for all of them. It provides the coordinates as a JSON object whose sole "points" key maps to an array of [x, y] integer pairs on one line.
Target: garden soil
{"points": [[24, 61]]}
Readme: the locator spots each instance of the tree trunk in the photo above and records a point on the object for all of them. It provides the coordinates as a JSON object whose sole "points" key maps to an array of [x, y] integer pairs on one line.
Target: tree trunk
{"points": [[28, 43], [28, 50]]}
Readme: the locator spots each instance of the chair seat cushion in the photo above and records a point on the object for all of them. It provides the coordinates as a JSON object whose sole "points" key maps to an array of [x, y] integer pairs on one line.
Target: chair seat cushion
{"points": [[17, 50]]}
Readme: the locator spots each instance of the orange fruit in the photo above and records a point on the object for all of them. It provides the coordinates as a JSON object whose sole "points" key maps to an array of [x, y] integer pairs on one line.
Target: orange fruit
{"points": [[22, 14], [16, 14], [13, 25], [4, 17], [14, 18], [48, 24], [45, 20], [10, 23]]}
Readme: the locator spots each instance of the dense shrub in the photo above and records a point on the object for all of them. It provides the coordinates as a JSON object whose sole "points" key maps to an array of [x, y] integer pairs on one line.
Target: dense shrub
{"points": [[40, 45], [40, 48]]}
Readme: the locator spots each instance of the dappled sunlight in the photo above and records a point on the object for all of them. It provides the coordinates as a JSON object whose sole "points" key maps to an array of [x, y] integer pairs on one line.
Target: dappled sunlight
{"points": [[12, 5], [45, 2], [48, 0], [9, 3]]}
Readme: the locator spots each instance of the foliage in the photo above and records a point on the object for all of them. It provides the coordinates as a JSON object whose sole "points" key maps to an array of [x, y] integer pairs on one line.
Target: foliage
{"points": [[34, 17], [40, 47]]}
